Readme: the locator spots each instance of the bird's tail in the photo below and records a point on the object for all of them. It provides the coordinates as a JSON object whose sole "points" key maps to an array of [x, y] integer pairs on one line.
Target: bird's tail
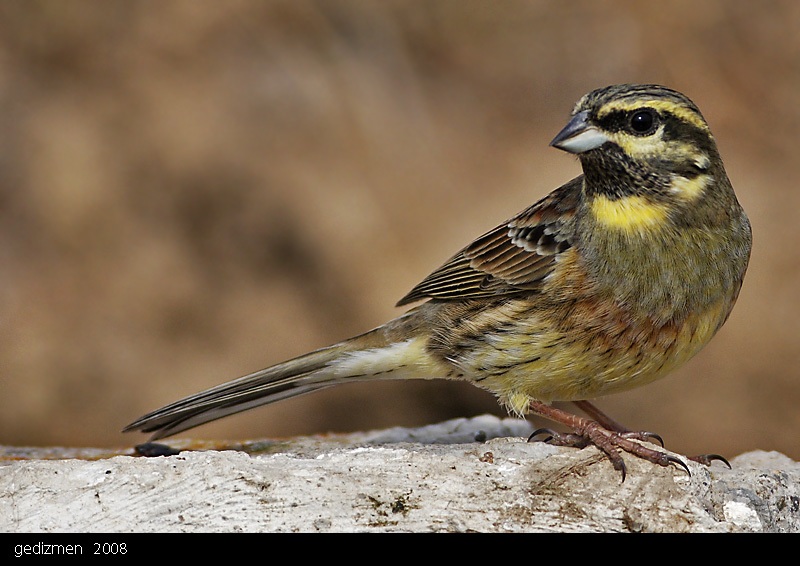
{"points": [[368, 356]]}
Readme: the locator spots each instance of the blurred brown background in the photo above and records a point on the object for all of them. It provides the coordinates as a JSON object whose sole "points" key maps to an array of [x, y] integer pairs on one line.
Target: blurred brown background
{"points": [[192, 190]]}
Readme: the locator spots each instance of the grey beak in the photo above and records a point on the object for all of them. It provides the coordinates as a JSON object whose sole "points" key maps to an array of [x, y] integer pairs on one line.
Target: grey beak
{"points": [[579, 135]]}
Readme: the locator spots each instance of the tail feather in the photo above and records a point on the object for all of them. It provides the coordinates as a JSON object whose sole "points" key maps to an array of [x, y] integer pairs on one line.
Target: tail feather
{"points": [[282, 381], [365, 357]]}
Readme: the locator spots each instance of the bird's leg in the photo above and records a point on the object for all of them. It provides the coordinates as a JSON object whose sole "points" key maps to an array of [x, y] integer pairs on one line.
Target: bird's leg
{"points": [[609, 423], [562, 439], [609, 441], [577, 440]]}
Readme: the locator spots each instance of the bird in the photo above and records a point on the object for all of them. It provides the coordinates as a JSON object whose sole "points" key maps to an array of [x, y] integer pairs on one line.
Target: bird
{"points": [[609, 282]]}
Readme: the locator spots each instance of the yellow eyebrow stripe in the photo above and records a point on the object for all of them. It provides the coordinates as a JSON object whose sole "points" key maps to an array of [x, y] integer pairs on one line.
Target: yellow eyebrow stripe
{"points": [[682, 112], [629, 214]]}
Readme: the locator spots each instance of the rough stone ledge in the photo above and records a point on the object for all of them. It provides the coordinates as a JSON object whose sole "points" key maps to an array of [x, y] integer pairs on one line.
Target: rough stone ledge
{"points": [[462, 475]]}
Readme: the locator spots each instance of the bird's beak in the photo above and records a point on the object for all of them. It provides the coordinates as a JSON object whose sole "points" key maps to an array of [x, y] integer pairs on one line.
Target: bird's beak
{"points": [[578, 135]]}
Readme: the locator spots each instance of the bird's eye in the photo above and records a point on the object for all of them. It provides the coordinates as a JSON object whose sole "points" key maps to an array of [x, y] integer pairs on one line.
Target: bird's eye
{"points": [[643, 121]]}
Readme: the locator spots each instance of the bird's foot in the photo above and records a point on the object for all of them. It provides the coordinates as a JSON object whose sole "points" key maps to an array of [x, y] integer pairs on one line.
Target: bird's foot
{"points": [[611, 443]]}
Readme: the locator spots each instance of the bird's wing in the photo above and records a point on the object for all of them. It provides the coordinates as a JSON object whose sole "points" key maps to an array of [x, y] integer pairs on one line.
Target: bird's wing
{"points": [[512, 258]]}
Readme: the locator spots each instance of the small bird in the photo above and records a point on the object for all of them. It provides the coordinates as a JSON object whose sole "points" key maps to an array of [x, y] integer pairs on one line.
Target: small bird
{"points": [[609, 282]]}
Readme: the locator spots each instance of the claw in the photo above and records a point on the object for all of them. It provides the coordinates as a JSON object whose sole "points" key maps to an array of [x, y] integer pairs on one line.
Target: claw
{"points": [[617, 462], [644, 436], [562, 438], [706, 459], [679, 462], [539, 431], [651, 436]]}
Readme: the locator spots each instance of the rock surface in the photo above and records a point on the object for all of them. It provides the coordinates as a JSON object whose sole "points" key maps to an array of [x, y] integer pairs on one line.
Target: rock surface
{"points": [[462, 475]]}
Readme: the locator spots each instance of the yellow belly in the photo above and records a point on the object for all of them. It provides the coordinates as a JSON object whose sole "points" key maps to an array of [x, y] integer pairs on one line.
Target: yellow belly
{"points": [[584, 358]]}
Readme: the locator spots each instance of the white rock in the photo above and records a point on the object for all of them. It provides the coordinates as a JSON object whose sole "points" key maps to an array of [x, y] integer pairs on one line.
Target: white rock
{"points": [[436, 478]]}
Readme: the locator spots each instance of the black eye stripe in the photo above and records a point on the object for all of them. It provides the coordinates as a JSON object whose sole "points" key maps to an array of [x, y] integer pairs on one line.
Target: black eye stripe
{"points": [[680, 130], [675, 128], [614, 121], [620, 120]]}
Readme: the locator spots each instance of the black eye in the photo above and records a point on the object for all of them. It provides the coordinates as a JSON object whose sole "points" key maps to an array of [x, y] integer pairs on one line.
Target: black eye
{"points": [[643, 121]]}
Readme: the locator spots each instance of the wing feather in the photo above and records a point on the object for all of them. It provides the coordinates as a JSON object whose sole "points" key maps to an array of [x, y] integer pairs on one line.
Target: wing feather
{"points": [[513, 257]]}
